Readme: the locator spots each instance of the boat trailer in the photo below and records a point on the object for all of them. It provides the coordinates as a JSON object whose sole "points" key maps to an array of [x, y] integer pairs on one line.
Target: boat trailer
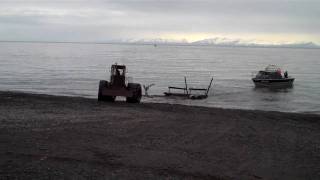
{"points": [[187, 92]]}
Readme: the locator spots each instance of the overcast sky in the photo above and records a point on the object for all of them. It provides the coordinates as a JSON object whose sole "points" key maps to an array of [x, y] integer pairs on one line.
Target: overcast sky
{"points": [[274, 21]]}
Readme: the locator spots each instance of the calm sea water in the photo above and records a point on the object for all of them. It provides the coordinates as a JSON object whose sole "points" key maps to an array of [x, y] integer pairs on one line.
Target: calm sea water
{"points": [[75, 70]]}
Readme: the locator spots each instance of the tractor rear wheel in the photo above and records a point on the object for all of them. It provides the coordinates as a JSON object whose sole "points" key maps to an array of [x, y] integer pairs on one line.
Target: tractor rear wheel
{"points": [[104, 85], [136, 91]]}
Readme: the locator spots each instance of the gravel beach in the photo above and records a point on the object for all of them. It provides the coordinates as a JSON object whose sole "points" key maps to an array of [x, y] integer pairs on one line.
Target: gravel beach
{"points": [[56, 137]]}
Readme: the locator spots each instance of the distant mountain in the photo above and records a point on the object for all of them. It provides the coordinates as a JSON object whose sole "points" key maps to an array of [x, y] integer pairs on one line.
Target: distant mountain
{"points": [[220, 41], [155, 41], [239, 42], [304, 45]]}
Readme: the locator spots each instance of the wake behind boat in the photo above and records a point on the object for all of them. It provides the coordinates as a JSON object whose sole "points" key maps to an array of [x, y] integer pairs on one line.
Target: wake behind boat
{"points": [[273, 76]]}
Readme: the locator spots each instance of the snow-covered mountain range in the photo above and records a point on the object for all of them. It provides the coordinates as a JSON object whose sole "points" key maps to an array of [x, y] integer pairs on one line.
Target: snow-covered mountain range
{"points": [[222, 42]]}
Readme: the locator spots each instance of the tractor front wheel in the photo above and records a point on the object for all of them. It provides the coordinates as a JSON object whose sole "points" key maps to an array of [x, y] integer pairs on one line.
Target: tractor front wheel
{"points": [[136, 93], [104, 85]]}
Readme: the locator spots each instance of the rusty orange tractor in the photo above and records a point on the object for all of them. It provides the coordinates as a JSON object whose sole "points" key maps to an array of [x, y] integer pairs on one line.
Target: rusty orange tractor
{"points": [[108, 91]]}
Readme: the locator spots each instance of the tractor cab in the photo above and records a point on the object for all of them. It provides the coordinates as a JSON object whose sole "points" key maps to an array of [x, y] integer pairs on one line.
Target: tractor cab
{"points": [[118, 75]]}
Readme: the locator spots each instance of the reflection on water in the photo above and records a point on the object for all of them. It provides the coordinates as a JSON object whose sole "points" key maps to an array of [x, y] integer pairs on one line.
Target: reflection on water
{"points": [[273, 89], [75, 70]]}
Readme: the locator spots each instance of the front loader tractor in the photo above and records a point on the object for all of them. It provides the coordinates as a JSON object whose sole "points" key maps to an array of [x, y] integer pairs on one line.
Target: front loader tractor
{"points": [[108, 91]]}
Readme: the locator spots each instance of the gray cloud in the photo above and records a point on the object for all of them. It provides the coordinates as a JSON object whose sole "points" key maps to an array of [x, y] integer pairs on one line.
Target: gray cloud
{"points": [[81, 20]]}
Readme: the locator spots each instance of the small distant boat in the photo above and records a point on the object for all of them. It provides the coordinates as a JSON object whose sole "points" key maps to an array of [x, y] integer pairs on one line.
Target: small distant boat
{"points": [[273, 76]]}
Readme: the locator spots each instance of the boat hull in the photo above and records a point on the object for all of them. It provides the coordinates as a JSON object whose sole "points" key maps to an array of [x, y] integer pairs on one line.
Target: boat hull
{"points": [[276, 83]]}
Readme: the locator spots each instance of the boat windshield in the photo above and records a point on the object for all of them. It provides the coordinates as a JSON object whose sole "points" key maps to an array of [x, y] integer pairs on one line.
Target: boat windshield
{"points": [[269, 75], [272, 68]]}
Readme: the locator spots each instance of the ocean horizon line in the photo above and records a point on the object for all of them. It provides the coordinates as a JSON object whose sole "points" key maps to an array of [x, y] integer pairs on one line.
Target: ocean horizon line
{"points": [[293, 45]]}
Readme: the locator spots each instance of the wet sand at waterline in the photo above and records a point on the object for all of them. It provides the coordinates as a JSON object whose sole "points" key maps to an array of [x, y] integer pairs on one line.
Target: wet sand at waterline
{"points": [[56, 137]]}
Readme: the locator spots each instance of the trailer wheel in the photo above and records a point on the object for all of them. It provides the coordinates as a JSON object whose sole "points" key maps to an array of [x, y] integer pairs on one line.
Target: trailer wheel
{"points": [[136, 91], [103, 85]]}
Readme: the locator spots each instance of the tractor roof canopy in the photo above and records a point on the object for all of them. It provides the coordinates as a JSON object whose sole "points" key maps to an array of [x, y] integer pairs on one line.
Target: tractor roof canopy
{"points": [[116, 66]]}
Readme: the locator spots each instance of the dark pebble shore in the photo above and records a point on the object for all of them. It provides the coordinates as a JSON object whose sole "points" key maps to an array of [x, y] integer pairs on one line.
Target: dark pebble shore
{"points": [[56, 137]]}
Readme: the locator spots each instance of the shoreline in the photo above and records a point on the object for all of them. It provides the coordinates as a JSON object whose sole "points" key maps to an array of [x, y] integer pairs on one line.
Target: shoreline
{"points": [[31, 93], [61, 137]]}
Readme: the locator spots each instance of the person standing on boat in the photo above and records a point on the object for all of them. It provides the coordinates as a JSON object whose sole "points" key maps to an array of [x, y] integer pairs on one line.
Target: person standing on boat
{"points": [[286, 74], [279, 75]]}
